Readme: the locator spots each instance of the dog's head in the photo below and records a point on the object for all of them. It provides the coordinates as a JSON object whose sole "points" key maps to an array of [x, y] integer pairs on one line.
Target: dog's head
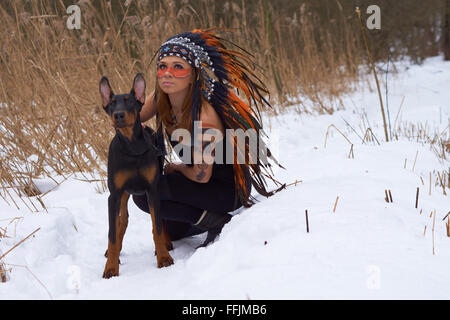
{"points": [[123, 109]]}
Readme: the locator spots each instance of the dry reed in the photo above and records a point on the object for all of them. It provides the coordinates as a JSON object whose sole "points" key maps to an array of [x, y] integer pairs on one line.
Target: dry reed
{"points": [[19, 243], [447, 225], [51, 122], [335, 204], [432, 230], [372, 65], [307, 221]]}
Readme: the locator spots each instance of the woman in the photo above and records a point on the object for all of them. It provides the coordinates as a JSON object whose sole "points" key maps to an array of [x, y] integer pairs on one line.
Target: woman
{"points": [[195, 78]]}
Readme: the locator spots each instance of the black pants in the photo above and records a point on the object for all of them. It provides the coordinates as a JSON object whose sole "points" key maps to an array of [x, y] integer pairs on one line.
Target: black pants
{"points": [[183, 202]]}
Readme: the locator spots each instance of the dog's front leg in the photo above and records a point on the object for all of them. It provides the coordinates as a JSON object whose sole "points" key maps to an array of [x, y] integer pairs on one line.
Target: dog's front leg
{"points": [[123, 221], [163, 257], [112, 263]]}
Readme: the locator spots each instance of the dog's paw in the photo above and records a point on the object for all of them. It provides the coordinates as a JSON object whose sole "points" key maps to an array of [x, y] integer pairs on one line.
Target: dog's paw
{"points": [[111, 270], [164, 261]]}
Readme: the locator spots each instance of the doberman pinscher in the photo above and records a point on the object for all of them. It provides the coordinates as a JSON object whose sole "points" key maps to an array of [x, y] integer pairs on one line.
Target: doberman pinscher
{"points": [[134, 164]]}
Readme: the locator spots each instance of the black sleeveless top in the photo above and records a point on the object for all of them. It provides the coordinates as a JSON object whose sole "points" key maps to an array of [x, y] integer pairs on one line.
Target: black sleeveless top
{"points": [[221, 171]]}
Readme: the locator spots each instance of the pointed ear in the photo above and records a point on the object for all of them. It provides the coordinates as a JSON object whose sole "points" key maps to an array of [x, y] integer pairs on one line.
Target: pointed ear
{"points": [[139, 87], [105, 91]]}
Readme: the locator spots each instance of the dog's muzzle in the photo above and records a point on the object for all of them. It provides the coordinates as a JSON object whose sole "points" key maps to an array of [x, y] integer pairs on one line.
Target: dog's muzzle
{"points": [[119, 119]]}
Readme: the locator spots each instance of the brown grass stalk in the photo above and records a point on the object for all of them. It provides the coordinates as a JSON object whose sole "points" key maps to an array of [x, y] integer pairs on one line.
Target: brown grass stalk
{"points": [[51, 122], [4, 276], [19, 243], [434, 220], [372, 65], [417, 197], [326, 136], [415, 159], [447, 224], [34, 276], [442, 183], [307, 221], [335, 204], [430, 184]]}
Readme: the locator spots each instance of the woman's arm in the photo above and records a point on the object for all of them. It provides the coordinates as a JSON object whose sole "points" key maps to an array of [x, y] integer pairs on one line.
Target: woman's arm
{"points": [[201, 171], [149, 108]]}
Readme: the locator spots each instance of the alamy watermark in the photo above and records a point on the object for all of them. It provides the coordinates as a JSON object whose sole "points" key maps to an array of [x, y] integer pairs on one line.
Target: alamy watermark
{"points": [[373, 277], [74, 20], [374, 20], [74, 278], [209, 146]]}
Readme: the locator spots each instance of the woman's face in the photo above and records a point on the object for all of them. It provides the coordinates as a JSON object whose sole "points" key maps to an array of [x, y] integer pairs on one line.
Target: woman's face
{"points": [[174, 74]]}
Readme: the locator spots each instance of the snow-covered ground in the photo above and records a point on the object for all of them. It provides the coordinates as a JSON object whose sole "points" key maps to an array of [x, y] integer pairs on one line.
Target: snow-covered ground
{"points": [[366, 249]]}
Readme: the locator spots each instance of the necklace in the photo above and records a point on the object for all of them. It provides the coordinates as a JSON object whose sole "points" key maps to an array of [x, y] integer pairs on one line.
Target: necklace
{"points": [[174, 119]]}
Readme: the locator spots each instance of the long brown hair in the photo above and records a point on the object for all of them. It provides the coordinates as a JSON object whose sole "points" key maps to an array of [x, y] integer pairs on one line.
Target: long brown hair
{"points": [[165, 109]]}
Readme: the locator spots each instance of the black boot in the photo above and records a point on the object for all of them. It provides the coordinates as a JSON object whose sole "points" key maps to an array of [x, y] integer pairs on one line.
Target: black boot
{"points": [[212, 222]]}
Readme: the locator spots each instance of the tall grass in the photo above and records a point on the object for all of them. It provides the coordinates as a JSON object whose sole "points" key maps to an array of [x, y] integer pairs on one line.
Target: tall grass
{"points": [[51, 123]]}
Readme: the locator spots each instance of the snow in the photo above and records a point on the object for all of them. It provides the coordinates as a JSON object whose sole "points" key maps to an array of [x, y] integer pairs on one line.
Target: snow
{"points": [[366, 249]]}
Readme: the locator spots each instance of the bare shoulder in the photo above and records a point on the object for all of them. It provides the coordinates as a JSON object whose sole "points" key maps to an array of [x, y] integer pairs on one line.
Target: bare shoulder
{"points": [[210, 118]]}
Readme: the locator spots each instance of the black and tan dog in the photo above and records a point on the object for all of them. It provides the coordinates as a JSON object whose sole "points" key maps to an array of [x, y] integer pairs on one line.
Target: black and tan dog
{"points": [[133, 168]]}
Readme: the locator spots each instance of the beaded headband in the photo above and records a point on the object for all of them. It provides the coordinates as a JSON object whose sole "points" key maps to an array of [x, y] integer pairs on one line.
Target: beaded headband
{"points": [[183, 47], [195, 55]]}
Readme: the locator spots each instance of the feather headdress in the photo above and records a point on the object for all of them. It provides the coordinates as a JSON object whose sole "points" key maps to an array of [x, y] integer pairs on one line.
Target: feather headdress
{"points": [[221, 70]]}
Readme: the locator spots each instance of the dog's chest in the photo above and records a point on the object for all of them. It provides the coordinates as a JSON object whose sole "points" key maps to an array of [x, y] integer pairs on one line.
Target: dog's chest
{"points": [[135, 175], [135, 181]]}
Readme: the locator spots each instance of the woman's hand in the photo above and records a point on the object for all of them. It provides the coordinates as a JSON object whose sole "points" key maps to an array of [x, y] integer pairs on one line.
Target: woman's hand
{"points": [[171, 167]]}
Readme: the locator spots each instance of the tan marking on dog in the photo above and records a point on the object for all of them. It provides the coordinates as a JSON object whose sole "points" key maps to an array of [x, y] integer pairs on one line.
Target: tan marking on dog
{"points": [[113, 252], [123, 221], [149, 173], [112, 262], [127, 131], [121, 177], [166, 237]]}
